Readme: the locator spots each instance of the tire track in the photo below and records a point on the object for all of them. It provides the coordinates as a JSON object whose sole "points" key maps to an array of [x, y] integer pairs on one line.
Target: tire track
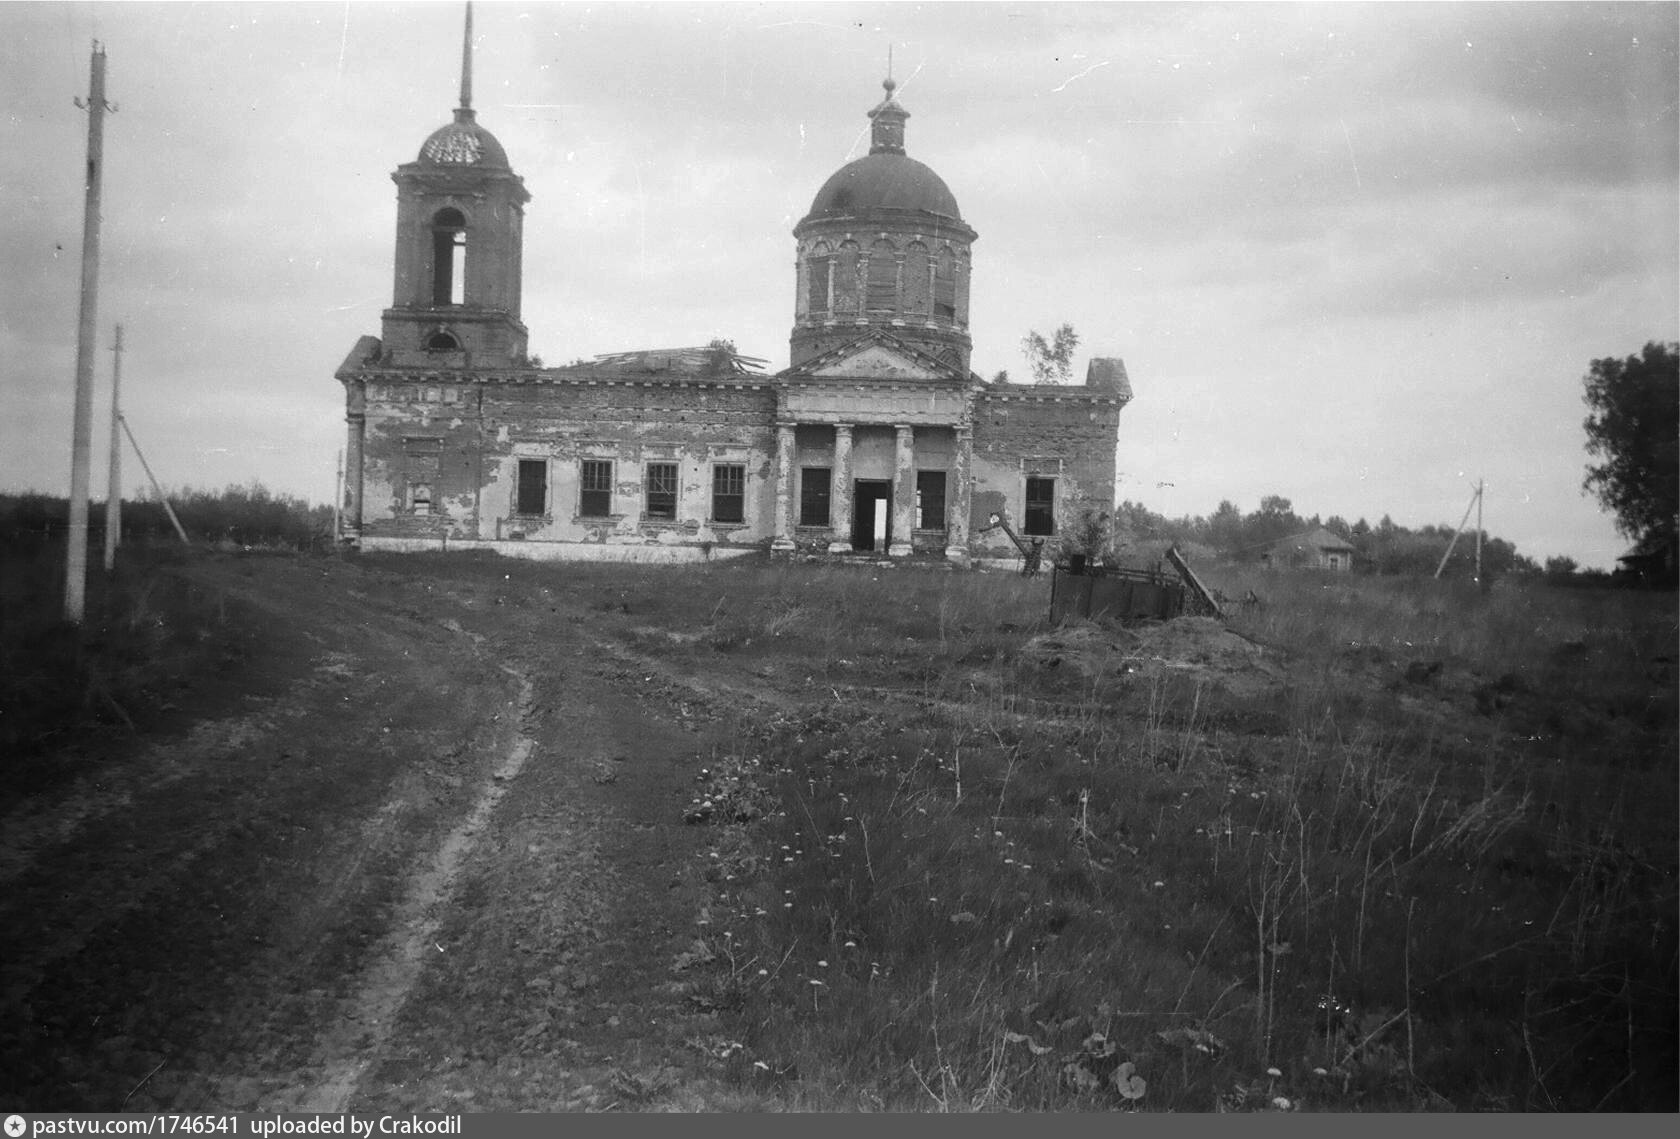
{"points": [[360, 1032]]}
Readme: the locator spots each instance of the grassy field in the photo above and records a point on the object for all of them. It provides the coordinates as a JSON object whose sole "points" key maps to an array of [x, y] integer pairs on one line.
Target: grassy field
{"points": [[146, 634], [1432, 865], [1379, 844]]}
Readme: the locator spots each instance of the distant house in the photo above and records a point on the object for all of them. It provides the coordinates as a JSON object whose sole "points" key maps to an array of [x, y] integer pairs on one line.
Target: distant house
{"points": [[1654, 561], [1316, 549]]}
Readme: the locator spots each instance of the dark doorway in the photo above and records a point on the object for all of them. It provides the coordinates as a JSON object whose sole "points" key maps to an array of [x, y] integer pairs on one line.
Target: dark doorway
{"points": [[871, 514]]}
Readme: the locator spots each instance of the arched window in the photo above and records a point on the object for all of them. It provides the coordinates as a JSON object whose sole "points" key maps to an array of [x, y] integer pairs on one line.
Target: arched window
{"points": [[846, 279], [918, 284], [945, 286], [449, 257], [442, 342], [816, 279], [882, 294]]}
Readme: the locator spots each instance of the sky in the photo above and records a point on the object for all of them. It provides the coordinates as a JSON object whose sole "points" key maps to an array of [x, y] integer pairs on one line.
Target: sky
{"points": [[1356, 255]]}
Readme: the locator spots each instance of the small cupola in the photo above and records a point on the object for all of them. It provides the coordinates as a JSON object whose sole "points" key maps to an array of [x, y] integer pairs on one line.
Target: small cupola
{"points": [[886, 130]]}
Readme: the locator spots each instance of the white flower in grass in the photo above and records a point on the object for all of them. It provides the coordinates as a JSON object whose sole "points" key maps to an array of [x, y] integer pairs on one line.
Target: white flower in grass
{"points": [[1274, 1073], [1282, 1103]]}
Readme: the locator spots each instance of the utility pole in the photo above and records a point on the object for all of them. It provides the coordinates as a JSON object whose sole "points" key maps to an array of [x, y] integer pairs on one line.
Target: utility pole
{"points": [[1475, 503], [81, 441], [113, 484], [1478, 531], [156, 489]]}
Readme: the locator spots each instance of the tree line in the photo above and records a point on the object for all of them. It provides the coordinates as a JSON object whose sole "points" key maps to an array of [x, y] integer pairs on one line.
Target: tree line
{"points": [[249, 515], [1228, 534]]}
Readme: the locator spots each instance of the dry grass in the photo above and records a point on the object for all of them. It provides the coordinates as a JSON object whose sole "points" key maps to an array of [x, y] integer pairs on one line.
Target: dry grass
{"points": [[987, 884]]}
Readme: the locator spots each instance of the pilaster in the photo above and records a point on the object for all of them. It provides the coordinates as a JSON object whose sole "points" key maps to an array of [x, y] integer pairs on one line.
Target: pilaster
{"points": [[355, 419]]}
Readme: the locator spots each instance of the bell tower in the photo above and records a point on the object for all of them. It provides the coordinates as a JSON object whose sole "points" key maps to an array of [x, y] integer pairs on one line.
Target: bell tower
{"points": [[460, 238]]}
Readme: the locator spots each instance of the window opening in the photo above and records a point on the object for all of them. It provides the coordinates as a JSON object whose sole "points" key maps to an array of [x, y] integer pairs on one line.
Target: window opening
{"points": [[1040, 515], [449, 257], [442, 342], [930, 500], [945, 285], [595, 497], [845, 295], [882, 285], [816, 268], [662, 491], [729, 492], [814, 496], [420, 498], [532, 495], [918, 280]]}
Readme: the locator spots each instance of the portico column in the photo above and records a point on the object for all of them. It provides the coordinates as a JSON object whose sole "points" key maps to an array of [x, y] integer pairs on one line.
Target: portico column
{"points": [[840, 493], [904, 491], [783, 540], [961, 501], [356, 420]]}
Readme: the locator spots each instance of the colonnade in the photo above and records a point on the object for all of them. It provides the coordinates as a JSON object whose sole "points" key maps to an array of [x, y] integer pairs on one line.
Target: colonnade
{"points": [[958, 488]]}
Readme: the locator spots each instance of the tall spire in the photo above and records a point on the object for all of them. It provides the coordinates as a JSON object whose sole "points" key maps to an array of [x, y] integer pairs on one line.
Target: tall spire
{"points": [[466, 62]]}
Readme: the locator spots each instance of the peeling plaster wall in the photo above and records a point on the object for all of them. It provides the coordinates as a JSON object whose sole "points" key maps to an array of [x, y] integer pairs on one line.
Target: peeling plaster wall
{"points": [[468, 436], [1066, 433], [441, 456]]}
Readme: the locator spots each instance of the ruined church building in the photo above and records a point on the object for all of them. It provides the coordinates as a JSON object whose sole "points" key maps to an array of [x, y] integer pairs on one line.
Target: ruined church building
{"points": [[877, 437]]}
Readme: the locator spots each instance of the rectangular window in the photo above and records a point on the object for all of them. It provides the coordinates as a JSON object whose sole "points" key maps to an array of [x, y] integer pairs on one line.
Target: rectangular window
{"points": [[729, 492], [930, 500], [662, 491], [813, 496], [1040, 517], [420, 498], [533, 487], [595, 489]]}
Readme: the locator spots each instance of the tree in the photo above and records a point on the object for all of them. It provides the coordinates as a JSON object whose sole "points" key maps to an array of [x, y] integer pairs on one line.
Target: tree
{"points": [[1052, 361], [1634, 411]]}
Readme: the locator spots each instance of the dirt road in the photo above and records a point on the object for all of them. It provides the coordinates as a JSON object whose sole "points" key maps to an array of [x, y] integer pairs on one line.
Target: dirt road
{"points": [[425, 851]]}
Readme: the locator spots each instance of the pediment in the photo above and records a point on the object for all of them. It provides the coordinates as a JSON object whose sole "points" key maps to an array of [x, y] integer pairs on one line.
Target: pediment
{"points": [[877, 356], [878, 361]]}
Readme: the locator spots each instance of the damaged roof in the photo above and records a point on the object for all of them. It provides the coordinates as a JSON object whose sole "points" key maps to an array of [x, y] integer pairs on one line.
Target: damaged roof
{"points": [[702, 361]]}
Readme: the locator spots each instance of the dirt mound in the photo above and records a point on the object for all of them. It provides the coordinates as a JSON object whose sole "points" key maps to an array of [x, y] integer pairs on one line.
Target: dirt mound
{"points": [[1199, 648]]}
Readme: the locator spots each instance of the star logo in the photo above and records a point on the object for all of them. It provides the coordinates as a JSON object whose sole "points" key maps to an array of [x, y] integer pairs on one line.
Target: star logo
{"points": [[15, 1126]]}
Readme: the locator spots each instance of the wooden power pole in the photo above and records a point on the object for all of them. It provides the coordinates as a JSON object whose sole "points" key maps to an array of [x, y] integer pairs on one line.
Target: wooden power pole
{"points": [[113, 484], [1476, 504], [81, 441], [1478, 531]]}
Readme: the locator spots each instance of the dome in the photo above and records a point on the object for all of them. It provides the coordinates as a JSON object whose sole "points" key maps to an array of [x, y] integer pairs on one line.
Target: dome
{"points": [[884, 181], [463, 143]]}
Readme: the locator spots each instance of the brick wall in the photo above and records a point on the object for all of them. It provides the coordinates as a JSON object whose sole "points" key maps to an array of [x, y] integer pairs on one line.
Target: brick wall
{"points": [[1065, 433], [470, 436]]}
